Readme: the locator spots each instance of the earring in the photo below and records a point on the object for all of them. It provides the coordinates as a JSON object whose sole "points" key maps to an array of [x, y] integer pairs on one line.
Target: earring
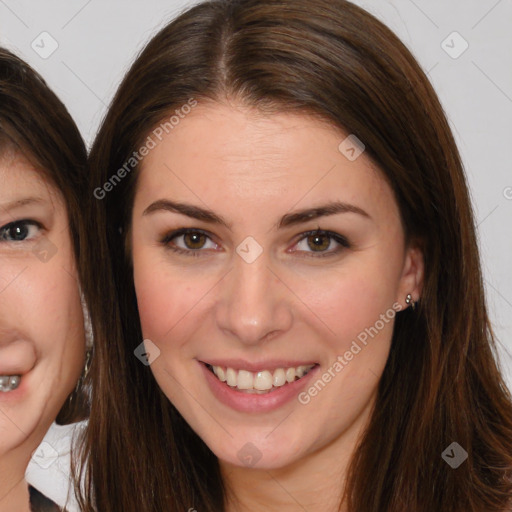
{"points": [[83, 376], [88, 345], [87, 366], [87, 322], [409, 301]]}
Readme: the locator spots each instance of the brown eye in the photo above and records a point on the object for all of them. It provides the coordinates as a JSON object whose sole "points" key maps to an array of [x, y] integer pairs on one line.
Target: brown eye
{"points": [[321, 243], [318, 243], [194, 240], [190, 242]]}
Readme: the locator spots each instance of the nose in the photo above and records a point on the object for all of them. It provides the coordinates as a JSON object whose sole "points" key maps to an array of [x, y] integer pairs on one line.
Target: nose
{"points": [[253, 303]]}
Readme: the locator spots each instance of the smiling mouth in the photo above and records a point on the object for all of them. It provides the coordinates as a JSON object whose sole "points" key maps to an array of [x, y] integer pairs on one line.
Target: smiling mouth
{"points": [[9, 382], [264, 381]]}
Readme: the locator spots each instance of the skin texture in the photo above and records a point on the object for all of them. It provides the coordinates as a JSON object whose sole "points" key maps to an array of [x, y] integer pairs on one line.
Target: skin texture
{"points": [[41, 321], [289, 303]]}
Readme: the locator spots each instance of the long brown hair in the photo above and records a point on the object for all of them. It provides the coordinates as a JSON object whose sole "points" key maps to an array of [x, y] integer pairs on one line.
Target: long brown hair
{"points": [[441, 383], [35, 124]]}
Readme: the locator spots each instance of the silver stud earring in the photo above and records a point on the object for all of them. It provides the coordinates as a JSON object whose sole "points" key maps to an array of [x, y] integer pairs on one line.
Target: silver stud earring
{"points": [[409, 301]]}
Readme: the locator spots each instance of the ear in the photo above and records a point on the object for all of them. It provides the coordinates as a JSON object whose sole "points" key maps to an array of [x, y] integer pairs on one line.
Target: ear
{"points": [[411, 281]]}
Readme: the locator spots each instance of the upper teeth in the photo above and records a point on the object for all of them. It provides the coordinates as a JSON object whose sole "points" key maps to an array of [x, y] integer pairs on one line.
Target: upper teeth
{"points": [[9, 382], [263, 380]]}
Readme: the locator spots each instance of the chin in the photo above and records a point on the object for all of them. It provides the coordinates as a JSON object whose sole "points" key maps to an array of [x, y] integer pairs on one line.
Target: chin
{"points": [[256, 451]]}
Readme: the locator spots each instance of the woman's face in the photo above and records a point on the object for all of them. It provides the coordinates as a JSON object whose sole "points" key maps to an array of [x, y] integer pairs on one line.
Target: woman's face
{"points": [[231, 274], [41, 322]]}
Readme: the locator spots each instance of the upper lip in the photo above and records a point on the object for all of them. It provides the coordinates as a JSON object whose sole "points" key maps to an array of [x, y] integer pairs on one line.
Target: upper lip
{"points": [[17, 356], [257, 366]]}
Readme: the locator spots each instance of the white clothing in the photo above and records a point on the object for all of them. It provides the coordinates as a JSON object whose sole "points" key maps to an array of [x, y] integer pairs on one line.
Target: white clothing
{"points": [[49, 470]]}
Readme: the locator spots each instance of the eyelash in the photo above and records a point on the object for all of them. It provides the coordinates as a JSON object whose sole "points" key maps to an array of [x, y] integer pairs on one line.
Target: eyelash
{"points": [[341, 240], [24, 222]]}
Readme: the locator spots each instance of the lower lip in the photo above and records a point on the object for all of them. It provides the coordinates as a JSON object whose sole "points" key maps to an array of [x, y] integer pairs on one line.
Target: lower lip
{"points": [[253, 402]]}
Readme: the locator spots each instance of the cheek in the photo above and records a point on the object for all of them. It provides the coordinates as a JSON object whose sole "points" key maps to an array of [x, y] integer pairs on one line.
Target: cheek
{"points": [[154, 304], [55, 308], [163, 299], [44, 306], [347, 304]]}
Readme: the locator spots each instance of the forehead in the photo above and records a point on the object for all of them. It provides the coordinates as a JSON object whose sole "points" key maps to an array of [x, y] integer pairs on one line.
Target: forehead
{"points": [[225, 154], [20, 177]]}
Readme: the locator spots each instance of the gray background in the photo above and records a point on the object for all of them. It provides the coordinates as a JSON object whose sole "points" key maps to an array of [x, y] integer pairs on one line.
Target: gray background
{"points": [[97, 40]]}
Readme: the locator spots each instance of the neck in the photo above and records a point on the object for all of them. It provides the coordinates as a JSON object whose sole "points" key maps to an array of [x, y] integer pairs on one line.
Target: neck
{"points": [[284, 489], [14, 495], [314, 483]]}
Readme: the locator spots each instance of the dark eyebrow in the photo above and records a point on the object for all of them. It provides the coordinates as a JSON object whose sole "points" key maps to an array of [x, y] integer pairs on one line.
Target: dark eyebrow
{"points": [[287, 220], [18, 203], [186, 209], [308, 214]]}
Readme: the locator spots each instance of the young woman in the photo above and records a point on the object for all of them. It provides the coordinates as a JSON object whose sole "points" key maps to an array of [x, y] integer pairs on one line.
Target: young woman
{"points": [[42, 172], [286, 284]]}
